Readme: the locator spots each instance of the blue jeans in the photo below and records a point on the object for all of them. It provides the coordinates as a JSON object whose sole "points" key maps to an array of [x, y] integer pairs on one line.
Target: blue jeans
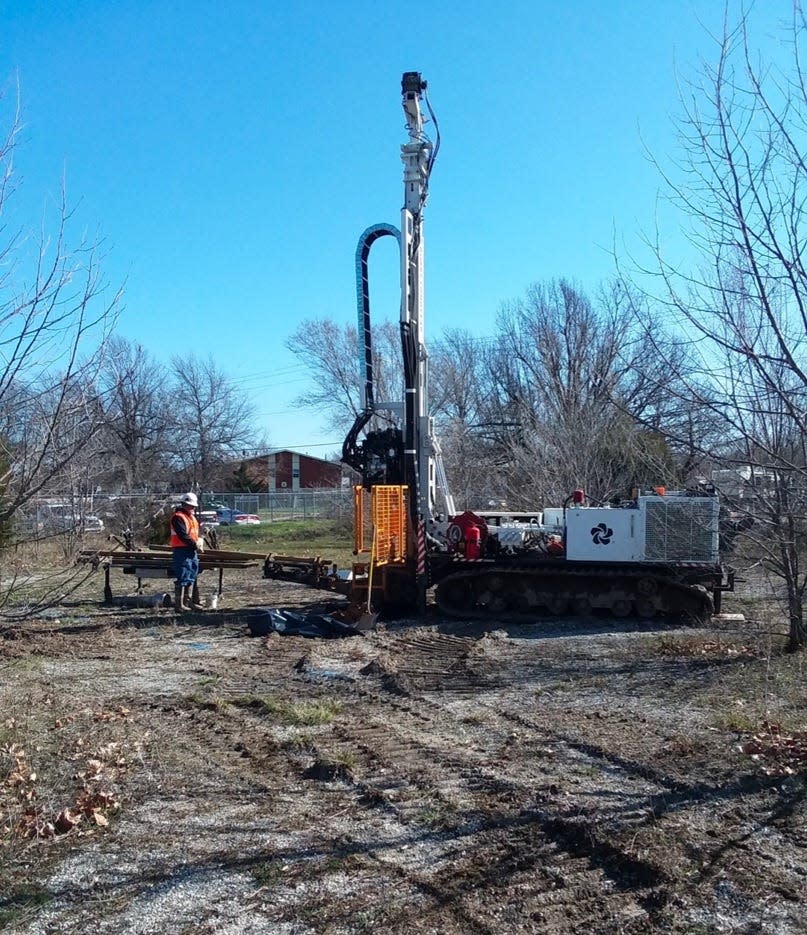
{"points": [[186, 566]]}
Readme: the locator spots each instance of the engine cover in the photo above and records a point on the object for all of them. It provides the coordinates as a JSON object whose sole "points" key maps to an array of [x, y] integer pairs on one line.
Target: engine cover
{"points": [[656, 529]]}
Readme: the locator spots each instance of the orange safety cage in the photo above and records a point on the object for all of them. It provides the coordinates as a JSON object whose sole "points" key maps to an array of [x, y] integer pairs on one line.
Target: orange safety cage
{"points": [[388, 515]]}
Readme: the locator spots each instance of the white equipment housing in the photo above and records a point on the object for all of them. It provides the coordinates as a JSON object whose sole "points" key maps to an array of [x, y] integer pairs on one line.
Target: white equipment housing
{"points": [[666, 528]]}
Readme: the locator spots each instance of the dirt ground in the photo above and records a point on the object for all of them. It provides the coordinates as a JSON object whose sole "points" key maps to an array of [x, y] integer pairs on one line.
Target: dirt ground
{"points": [[176, 775]]}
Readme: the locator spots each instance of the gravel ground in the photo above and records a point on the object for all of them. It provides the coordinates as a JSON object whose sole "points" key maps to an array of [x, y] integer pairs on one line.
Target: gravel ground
{"points": [[557, 777]]}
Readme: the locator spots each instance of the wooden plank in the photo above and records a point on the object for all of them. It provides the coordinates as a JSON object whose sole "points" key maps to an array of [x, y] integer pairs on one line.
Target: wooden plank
{"points": [[161, 560], [161, 554], [216, 564]]}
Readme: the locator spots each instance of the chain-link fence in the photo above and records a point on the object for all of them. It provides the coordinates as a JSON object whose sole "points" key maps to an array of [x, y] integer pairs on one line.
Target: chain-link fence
{"points": [[113, 513], [282, 505]]}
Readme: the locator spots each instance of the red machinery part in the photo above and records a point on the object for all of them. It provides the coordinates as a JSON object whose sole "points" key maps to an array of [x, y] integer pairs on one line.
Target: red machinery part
{"points": [[467, 533], [473, 542]]}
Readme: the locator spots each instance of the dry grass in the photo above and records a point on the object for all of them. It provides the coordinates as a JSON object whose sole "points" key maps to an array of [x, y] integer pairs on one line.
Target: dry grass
{"points": [[748, 677], [297, 714], [63, 764]]}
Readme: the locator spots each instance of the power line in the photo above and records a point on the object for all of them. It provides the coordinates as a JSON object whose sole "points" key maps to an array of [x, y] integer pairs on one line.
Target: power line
{"points": [[272, 384], [275, 371], [270, 378]]}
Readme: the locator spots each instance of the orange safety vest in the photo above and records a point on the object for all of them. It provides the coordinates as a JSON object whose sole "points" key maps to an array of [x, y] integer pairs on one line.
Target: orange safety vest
{"points": [[192, 525]]}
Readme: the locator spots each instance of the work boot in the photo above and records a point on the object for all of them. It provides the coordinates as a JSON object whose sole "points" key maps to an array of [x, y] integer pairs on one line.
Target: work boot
{"points": [[179, 599], [194, 601], [188, 601]]}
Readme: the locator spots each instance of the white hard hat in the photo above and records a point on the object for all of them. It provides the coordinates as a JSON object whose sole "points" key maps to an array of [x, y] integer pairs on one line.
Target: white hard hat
{"points": [[190, 498]]}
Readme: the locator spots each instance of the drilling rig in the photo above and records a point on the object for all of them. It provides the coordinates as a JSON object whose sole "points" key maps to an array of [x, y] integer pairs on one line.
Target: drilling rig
{"points": [[654, 552]]}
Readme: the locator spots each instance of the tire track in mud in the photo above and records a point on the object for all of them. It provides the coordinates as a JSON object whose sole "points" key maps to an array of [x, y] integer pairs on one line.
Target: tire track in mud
{"points": [[501, 834], [494, 840], [604, 831], [495, 834], [492, 834], [453, 814]]}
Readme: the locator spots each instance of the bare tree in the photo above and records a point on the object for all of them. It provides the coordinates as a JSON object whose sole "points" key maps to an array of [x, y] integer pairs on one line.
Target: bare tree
{"points": [[457, 378], [135, 437], [211, 419], [527, 413], [134, 443], [331, 354], [469, 429], [568, 395], [741, 185], [55, 316]]}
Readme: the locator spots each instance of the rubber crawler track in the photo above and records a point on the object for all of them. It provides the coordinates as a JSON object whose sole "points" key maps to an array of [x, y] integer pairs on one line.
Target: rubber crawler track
{"points": [[520, 592]]}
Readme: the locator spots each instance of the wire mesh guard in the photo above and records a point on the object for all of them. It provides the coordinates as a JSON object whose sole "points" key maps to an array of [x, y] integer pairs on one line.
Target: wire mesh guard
{"points": [[389, 524], [681, 530]]}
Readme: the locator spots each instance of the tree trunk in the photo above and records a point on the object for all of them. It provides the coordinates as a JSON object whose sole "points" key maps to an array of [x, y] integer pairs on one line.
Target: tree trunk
{"points": [[797, 638]]}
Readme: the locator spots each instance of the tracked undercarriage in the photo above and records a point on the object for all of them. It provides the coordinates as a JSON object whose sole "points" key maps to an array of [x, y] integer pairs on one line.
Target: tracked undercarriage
{"points": [[526, 589]]}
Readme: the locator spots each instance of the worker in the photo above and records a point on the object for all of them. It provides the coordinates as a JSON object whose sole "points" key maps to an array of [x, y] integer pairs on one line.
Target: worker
{"points": [[185, 546]]}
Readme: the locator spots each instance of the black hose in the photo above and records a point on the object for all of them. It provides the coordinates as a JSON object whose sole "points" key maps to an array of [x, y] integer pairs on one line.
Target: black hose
{"points": [[367, 239]]}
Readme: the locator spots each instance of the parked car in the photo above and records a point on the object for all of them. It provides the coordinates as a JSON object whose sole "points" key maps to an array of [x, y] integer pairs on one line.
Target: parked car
{"points": [[230, 517], [214, 506], [59, 517]]}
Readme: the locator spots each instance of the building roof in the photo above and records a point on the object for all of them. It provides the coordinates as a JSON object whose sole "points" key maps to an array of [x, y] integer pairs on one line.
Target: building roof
{"points": [[279, 451]]}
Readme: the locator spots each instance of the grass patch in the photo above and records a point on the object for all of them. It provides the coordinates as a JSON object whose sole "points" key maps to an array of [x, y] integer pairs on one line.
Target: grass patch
{"points": [[270, 873], [324, 538], [759, 684], [208, 683], [346, 759], [25, 664], [588, 769], [440, 815], [739, 722], [301, 742], [295, 713], [768, 689]]}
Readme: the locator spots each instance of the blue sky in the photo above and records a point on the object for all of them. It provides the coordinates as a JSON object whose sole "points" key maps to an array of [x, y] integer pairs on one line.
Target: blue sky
{"points": [[230, 155]]}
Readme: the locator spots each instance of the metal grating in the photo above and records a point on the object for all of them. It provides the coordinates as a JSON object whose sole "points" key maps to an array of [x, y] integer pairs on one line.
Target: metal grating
{"points": [[389, 524], [681, 529]]}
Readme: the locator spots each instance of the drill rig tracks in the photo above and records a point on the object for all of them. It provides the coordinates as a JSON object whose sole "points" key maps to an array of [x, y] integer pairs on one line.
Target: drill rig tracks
{"points": [[464, 822]]}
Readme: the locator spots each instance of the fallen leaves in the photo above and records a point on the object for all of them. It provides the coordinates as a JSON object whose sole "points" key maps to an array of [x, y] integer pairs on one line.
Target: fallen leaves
{"points": [[695, 646], [93, 802], [117, 714], [100, 768], [65, 821], [779, 752], [20, 777], [718, 647]]}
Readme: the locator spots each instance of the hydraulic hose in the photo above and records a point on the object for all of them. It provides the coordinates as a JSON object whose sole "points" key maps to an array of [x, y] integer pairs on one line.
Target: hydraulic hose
{"points": [[367, 239], [350, 451]]}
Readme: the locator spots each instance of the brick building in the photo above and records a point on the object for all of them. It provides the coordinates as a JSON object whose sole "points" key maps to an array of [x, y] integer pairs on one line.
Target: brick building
{"points": [[290, 470]]}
